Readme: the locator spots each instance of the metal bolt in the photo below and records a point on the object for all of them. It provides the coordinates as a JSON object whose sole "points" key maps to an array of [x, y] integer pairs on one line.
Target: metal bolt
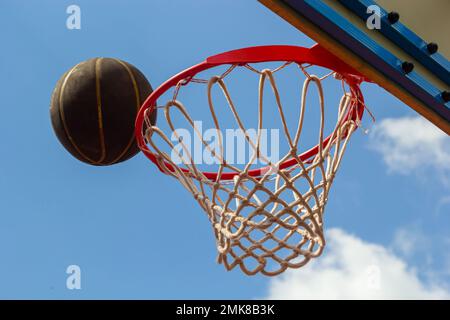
{"points": [[393, 17], [432, 47], [446, 96], [407, 66]]}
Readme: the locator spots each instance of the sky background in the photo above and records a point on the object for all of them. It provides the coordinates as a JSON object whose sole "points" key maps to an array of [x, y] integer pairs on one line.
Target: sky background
{"points": [[136, 233]]}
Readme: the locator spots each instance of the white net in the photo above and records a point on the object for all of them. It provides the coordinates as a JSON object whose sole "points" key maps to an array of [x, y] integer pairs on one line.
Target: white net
{"points": [[269, 220]]}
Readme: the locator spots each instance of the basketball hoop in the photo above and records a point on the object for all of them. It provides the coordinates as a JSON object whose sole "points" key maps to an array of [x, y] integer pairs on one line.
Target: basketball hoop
{"points": [[255, 226]]}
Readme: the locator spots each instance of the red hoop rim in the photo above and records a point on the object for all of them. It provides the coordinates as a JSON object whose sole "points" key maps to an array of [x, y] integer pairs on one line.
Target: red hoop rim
{"points": [[315, 55]]}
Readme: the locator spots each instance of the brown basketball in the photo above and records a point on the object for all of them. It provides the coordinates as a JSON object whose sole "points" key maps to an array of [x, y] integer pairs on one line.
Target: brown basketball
{"points": [[93, 109]]}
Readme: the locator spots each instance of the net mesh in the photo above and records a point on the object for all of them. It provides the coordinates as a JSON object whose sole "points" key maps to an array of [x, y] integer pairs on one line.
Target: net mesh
{"points": [[271, 221]]}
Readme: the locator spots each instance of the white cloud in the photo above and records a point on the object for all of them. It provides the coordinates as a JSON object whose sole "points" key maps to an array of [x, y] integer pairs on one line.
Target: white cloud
{"points": [[411, 143], [410, 240], [354, 269]]}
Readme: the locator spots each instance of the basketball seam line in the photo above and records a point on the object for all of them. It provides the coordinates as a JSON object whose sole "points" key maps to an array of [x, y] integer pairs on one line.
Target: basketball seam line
{"points": [[138, 105], [99, 111], [61, 114]]}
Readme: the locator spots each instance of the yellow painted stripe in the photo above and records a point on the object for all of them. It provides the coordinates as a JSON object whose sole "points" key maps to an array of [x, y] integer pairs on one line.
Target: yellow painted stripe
{"points": [[99, 110]]}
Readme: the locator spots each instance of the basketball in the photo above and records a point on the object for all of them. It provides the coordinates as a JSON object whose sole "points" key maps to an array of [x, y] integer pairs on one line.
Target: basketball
{"points": [[93, 110]]}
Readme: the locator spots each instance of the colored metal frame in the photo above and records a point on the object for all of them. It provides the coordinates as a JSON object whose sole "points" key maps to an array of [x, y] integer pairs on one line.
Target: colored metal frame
{"points": [[411, 87], [410, 42]]}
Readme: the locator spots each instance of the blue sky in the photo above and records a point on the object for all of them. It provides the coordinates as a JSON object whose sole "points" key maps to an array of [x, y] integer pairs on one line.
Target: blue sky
{"points": [[136, 233]]}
